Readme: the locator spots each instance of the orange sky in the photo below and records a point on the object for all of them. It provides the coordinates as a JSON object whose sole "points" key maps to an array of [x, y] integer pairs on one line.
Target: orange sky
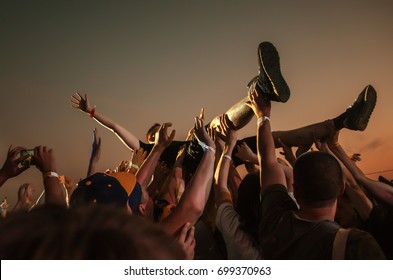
{"points": [[142, 63]]}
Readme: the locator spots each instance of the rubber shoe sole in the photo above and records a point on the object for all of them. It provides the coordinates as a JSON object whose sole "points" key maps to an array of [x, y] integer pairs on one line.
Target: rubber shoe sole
{"points": [[270, 79], [360, 112]]}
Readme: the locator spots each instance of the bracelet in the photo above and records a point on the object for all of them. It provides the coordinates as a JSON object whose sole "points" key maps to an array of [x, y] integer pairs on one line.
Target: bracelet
{"points": [[262, 119], [92, 112], [134, 166], [205, 147], [51, 174], [226, 156]]}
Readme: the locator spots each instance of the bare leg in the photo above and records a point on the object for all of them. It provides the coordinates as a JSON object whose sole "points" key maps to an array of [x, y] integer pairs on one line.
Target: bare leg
{"points": [[239, 115], [304, 136]]}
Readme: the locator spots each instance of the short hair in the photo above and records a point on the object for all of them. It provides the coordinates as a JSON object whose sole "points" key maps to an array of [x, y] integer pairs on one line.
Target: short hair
{"points": [[318, 179], [151, 129]]}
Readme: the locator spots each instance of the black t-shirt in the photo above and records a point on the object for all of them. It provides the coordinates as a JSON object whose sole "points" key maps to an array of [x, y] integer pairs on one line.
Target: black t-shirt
{"points": [[283, 235], [170, 153], [380, 225]]}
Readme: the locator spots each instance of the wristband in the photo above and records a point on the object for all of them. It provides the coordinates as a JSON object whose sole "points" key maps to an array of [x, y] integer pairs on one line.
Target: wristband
{"points": [[262, 119], [226, 156], [205, 147], [134, 166], [92, 112], [51, 174]]}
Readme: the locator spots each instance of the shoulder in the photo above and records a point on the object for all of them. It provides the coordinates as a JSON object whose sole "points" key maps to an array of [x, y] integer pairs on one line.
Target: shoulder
{"points": [[362, 245], [276, 196]]}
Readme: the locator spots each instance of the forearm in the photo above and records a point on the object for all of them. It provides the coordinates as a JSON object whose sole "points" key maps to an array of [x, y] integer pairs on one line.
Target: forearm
{"points": [[339, 152], [168, 188], [271, 172], [91, 168], [129, 139], [21, 206], [221, 191], [53, 191], [376, 188], [198, 189], [147, 168], [360, 201]]}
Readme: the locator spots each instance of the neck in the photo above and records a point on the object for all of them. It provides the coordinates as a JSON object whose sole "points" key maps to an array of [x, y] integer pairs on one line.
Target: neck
{"points": [[318, 213]]}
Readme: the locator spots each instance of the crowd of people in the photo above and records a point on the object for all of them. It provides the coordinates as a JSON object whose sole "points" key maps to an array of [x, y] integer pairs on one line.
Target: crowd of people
{"points": [[187, 200]]}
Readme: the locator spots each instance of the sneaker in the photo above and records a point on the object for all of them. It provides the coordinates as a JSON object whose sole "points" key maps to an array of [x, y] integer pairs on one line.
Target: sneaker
{"points": [[359, 113], [270, 80]]}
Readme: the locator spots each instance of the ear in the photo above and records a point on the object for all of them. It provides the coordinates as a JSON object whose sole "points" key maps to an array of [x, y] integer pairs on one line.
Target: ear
{"points": [[344, 185], [129, 210], [141, 209]]}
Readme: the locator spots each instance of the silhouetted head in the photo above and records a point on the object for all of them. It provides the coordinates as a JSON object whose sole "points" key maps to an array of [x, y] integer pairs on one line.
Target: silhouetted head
{"points": [[318, 179], [249, 203], [151, 133], [84, 233]]}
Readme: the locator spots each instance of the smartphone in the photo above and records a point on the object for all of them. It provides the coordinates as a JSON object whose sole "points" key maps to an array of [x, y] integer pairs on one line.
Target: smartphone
{"points": [[30, 154]]}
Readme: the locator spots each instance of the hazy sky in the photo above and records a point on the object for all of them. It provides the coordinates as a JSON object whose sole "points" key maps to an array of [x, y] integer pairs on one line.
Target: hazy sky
{"points": [[142, 62]]}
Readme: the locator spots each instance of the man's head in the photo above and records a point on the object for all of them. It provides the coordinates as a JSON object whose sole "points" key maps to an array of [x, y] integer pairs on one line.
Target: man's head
{"points": [[88, 232], [249, 204], [318, 179], [119, 189], [151, 132]]}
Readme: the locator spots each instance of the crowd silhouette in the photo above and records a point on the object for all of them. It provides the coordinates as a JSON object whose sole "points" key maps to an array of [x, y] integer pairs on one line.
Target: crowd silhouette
{"points": [[186, 199]]}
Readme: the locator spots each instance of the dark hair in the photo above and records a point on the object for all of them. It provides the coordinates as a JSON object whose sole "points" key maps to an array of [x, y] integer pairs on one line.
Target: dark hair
{"points": [[89, 232], [318, 179], [151, 129], [249, 203]]}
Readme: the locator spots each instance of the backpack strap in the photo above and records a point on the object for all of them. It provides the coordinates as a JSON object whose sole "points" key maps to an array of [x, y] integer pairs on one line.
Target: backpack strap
{"points": [[340, 244]]}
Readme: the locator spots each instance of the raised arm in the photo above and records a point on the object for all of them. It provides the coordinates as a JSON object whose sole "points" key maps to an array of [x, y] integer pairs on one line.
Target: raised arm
{"points": [[194, 198], [221, 190], [358, 198], [45, 161], [12, 166], [82, 103], [148, 166], [380, 190], [271, 172], [95, 153], [25, 194]]}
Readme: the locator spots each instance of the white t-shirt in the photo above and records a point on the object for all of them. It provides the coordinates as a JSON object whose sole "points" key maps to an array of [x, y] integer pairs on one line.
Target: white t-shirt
{"points": [[239, 244]]}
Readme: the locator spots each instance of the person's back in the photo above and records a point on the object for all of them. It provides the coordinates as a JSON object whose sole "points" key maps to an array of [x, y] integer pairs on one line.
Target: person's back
{"points": [[309, 233]]}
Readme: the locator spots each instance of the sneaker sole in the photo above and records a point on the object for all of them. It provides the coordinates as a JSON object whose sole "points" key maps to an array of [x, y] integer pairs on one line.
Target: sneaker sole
{"points": [[269, 62], [369, 96]]}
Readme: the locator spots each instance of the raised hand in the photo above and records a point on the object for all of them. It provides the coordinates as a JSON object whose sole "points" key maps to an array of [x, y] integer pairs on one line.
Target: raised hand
{"points": [[201, 133], [162, 138], [12, 165], [124, 166], [45, 159], [258, 103], [25, 193], [81, 103], [356, 157], [228, 135], [138, 157], [96, 146], [287, 153], [186, 240], [245, 153]]}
